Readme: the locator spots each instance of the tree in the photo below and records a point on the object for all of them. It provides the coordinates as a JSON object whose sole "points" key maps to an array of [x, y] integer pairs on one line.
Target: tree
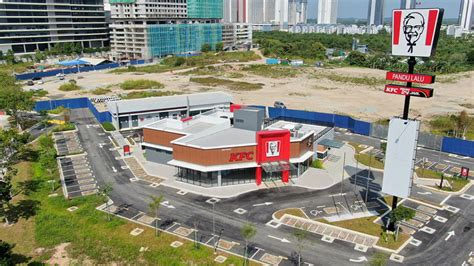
{"points": [[154, 206], [2, 56], [12, 147], [356, 58], [402, 213], [6, 254], [300, 236], [105, 192], [39, 56], [206, 48], [14, 99], [470, 57], [318, 50], [10, 57], [219, 47], [463, 122], [248, 231]]}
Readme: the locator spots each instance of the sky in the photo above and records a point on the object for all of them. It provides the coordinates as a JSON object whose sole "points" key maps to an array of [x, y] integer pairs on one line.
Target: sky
{"points": [[358, 8]]}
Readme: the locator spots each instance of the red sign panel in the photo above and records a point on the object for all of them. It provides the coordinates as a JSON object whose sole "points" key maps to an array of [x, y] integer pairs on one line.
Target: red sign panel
{"points": [[241, 156], [126, 149], [405, 77], [464, 172], [272, 145], [409, 91]]}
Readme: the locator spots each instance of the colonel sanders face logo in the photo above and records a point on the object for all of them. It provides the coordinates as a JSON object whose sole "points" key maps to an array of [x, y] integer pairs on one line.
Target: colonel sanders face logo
{"points": [[413, 27], [273, 148]]}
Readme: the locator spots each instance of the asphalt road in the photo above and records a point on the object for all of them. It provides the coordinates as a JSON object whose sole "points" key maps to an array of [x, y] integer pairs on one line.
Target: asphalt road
{"points": [[191, 209]]}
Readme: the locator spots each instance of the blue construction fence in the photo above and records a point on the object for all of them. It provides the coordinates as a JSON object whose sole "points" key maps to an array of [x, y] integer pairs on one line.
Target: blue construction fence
{"points": [[449, 145], [74, 104], [323, 119], [66, 71], [458, 146]]}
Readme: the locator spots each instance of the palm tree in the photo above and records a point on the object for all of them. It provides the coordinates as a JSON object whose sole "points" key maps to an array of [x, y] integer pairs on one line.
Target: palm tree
{"points": [[105, 192], [248, 231], [154, 206]]}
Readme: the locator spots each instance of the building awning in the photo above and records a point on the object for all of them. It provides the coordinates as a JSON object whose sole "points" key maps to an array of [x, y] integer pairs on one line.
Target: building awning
{"points": [[279, 166], [331, 143]]}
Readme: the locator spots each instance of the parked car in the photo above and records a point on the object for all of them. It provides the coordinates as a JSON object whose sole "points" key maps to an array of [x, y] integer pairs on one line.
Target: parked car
{"points": [[279, 104], [30, 83], [36, 78], [40, 82], [61, 77]]}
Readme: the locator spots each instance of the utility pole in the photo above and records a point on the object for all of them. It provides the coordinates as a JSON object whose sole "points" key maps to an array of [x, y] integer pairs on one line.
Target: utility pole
{"points": [[368, 177], [357, 171]]}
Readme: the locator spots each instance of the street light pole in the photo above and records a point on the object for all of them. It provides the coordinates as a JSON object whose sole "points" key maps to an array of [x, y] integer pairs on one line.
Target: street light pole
{"points": [[343, 165], [357, 171], [368, 177]]}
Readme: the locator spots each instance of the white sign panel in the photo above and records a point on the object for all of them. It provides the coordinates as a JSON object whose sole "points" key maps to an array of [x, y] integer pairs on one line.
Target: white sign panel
{"points": [[415, 32], [400, 157], [273, 148]]}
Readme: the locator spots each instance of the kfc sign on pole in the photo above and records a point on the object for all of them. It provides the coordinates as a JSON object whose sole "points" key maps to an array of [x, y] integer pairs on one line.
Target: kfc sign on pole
{"points": [[415, 32], [409, 91]]}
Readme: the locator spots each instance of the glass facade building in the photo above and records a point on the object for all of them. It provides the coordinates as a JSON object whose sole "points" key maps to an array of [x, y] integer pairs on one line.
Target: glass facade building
{"points": [[167, 39], [205, 8]]}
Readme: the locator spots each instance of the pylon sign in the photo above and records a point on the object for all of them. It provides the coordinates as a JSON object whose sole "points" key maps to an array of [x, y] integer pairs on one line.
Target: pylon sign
{"points": [[415, 32]]}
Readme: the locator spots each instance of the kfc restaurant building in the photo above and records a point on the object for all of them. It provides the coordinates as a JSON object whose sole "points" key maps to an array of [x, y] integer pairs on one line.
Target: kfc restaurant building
{"points": [[213, 151]]}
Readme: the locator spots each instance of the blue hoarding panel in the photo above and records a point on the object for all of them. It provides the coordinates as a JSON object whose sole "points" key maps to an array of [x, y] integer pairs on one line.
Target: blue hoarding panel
{"points": [[458, 146]]}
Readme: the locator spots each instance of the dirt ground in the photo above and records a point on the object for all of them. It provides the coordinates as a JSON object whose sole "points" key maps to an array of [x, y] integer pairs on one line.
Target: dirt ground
{"points": [[304, 91]]}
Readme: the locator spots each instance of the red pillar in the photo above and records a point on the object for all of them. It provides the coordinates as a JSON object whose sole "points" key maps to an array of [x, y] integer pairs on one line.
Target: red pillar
{"points": [[285, 176], [258, 176]]}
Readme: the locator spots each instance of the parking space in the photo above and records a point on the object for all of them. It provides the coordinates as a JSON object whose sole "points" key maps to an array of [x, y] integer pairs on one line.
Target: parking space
{"points": [[329, 232], [67, 143], [423, 216], [77, 178]]}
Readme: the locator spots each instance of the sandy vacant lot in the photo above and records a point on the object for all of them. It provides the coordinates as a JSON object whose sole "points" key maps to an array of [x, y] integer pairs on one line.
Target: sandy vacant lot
{"points": [[311, 89]]}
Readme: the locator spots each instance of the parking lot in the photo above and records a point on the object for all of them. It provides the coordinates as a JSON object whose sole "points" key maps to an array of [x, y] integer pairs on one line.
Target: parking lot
{"points": [[76, 176], [67, 143]]}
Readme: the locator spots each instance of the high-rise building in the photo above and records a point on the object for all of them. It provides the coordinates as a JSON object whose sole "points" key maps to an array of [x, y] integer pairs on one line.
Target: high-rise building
{"points": [[466, 18], [156, 28], [230, 11], [407, 4], [281, 12], [297, 12], [327, 11], [27, 25], [375, 13]]}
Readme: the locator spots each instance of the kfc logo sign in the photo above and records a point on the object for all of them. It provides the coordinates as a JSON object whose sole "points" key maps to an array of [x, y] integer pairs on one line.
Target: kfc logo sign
{"points": [[415, 31], [241, 156], [273, 148]]}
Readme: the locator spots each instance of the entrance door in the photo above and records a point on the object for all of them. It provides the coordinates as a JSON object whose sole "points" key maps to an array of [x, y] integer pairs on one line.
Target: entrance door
{"points": [[271, 176]]}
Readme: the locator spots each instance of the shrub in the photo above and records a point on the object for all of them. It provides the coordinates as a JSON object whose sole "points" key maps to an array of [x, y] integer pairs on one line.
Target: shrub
{"points": [[57, 110], [146, 94], [141, 84], [108, 126], [206, 48], [69, 87], [100, 91], [65, 127], [317, 164]]}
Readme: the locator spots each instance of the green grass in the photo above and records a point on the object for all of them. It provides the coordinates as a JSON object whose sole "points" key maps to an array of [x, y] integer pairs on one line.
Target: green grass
{"points": [[146, 94], [272, 71], [40, 93], [91, 236], [368, 81], [64, 127], [100, 91], [57, 110], [108, 126], [69, 86], [379, 259], [229, 84], [456, 184], [216, 71], [141, 84], [427, 173], [16, 68], [445, 125], [178, 63]]}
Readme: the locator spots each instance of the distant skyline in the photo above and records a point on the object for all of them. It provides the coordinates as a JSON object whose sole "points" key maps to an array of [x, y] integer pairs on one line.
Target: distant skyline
{"points": [[358, 8]]}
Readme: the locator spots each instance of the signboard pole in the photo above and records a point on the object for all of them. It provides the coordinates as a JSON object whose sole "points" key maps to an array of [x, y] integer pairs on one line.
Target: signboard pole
{"points": [[406, 109]]}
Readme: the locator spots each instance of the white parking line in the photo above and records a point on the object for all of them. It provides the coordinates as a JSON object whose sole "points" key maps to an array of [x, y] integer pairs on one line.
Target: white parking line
{"points": [[445, 199], [467, 196], [207, 242]]}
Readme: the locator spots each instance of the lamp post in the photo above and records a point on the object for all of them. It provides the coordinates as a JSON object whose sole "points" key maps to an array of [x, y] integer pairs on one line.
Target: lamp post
{"points": [[368, 177]]}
